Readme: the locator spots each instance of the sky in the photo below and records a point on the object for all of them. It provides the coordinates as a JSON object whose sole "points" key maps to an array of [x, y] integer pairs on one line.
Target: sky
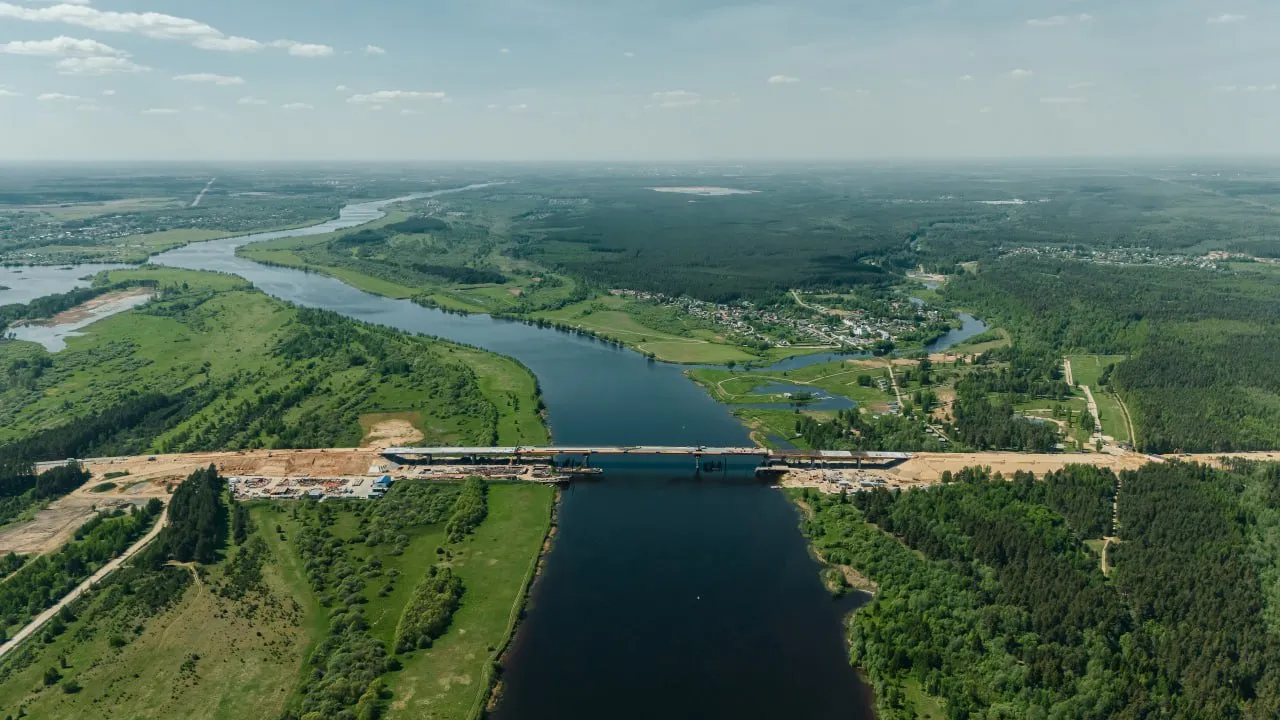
{"points": [[658, 80]]}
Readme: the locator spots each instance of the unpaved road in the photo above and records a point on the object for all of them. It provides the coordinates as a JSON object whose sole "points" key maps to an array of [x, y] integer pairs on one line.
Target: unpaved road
{"points": [[44, 617]]}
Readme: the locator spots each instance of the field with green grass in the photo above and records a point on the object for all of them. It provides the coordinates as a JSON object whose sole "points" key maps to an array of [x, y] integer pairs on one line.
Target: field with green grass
{"points": [[208, 648], [451, 679], [217, 364], [840, 378], [1087, 370]]}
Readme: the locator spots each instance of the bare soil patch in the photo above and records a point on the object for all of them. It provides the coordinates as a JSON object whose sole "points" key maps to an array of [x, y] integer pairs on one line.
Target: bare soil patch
{"points": [[383, 431]]}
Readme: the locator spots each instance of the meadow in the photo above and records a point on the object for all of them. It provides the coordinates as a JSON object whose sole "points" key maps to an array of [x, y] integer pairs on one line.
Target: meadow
{"points": [[224, 366], [238, 636]]}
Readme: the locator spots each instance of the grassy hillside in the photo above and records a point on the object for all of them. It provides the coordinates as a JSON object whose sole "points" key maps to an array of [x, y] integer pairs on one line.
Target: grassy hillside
{"points": [[245, 635], [217, 364]]}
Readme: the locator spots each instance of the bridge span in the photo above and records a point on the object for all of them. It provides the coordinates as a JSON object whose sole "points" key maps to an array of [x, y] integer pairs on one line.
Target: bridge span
{"points": [[696, 452]]}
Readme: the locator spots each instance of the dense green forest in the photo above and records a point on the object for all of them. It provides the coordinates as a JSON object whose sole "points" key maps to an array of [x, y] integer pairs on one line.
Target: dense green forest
{"points": [[213, 364], [990, 601], [1201, 374], [197, 527], [21, 488]]}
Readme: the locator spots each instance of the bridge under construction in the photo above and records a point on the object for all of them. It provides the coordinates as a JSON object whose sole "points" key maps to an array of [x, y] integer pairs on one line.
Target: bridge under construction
{"points": [[574, 453]]}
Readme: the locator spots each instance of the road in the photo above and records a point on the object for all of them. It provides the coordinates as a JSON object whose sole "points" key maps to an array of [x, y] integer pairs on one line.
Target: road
{"points": [[1093, 410], [196, 202], [1066, 366], [44, 617]]}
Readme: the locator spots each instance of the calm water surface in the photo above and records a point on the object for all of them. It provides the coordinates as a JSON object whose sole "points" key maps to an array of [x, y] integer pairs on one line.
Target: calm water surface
{"points": [[28, 282], [666, 595]]}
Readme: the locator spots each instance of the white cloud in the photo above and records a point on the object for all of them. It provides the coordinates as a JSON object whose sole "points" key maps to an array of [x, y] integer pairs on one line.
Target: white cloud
{"points": [[376, 108], [6, 92], [628, 54], [210, 78], [1059, 20], [197, 108], [374, 50], [228, 44], [1226, 88], [251, 100], [518, 107], [154, 25], [1226, 19], [1063, 100], [677, 98], [491, 106], [505, 51], [61, 46], [108, 93], [986, 110], [87, 107], [410, 112], [783, 80], [58, 97], [303, 49], [297, 106], [1084, 85], [341, 88], [159, 111], [967, 78], [1049, 21], [1020, 74], [1271, 88], [392, 95], [97, 66]]}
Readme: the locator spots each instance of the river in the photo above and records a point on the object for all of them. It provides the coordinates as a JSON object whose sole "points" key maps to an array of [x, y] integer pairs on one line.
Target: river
{"points": [[667, 595]]}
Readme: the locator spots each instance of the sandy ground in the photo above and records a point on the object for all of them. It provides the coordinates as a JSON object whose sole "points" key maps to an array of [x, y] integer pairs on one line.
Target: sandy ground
{"points": [[392, 433], [107, 304], [53, 526], [155, 476]]}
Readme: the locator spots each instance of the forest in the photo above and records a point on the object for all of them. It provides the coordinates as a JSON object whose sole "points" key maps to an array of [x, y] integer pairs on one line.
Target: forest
{"points": [[990, 601], [1201, 374], [198, 519]]}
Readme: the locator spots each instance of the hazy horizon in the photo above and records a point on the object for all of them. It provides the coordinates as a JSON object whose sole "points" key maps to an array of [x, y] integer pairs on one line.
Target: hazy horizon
{"points": [[658, 82]]}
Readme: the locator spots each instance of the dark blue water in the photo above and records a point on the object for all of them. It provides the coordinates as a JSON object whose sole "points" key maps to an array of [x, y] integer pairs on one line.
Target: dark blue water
{"points": [[667, 594]]}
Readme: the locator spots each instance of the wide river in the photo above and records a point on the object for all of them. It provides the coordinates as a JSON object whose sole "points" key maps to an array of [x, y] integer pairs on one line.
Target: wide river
{"points": [[666, 595]]}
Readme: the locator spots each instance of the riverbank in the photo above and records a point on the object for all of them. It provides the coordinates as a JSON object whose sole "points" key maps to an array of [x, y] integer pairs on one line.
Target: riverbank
{"points": [[603, 316], [312, 377], [488, 700]]}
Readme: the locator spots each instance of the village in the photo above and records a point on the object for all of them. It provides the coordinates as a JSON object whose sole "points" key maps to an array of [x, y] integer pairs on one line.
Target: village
{"points": [[858, 328], [1128, 256]]}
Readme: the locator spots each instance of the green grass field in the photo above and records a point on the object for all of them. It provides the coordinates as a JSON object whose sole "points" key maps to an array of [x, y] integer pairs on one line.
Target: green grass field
{"points": [[839, 378], [247, 659], [768, 426], [1086, 370], [216, 658], [451, 680], [228, 339], [983, 345]]}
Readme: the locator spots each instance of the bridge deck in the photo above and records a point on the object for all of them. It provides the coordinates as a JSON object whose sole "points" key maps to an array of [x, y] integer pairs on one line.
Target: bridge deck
{"points": [[644, 450]]}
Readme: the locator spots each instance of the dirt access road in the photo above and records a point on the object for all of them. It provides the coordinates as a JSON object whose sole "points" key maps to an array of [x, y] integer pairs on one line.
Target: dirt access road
{"points": [[32, 627]]}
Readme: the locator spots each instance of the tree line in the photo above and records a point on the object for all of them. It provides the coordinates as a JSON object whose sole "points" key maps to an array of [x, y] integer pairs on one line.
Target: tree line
{"points": [[989, 600]]}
